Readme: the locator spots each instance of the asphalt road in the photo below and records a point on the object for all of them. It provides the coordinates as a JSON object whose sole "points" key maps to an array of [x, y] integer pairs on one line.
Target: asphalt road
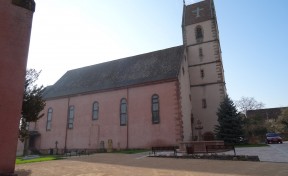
{"points": [[273, 153]]}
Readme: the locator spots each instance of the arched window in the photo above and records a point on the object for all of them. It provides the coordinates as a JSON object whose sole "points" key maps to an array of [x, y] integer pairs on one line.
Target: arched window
{"points": [[95, 111], [123, 112], [71, 117], [49, 119], [155, 109], [199, 34]]}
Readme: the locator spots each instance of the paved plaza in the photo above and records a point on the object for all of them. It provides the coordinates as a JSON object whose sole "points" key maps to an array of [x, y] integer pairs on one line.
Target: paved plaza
{"points": [[273, 153], [139, 165]]}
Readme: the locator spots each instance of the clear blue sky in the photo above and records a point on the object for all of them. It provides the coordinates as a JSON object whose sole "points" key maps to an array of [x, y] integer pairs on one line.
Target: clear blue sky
{"points": [[69, 34]]}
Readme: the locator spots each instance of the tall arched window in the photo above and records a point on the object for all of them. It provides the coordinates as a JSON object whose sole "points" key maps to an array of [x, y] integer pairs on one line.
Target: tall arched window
{"points": [[95, 111], [155, 109], [123, 112], [71, 117], [199, 34], [49, 119]]}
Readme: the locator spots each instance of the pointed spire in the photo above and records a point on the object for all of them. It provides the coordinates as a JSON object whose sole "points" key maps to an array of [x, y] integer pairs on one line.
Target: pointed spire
{"points": [[184, 23], [184, 13]]}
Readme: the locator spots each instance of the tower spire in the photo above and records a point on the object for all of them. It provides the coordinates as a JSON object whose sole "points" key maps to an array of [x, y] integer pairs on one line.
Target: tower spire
{"points": [[183, 23]]}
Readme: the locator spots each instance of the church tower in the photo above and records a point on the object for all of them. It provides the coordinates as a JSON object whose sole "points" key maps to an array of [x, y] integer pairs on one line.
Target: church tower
{"points": [[203, 52]]}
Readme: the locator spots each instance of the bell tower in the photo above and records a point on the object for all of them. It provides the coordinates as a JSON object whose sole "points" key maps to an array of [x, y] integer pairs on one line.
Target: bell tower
{"points": [[203, 51]]}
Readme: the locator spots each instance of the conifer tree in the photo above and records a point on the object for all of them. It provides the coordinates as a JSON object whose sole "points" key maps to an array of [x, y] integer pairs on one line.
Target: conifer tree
{"points": [[32, 104], [229, 128]]}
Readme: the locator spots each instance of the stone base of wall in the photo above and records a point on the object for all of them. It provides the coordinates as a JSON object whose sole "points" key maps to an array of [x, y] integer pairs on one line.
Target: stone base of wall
{"points": [[62, 151]]}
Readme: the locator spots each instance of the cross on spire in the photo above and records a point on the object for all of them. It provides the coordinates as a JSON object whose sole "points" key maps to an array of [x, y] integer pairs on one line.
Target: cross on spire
{"points": [[197, 11]]}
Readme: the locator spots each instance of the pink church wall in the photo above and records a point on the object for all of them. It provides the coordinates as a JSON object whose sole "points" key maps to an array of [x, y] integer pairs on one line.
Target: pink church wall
{"points": [[142, 133], [88, 133], [48, 138]]}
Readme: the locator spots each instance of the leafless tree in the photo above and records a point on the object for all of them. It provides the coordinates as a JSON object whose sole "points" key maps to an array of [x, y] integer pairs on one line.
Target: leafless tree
{"points": [[248, 103]]}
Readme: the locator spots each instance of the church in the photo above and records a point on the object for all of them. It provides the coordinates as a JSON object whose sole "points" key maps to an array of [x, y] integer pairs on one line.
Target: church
{"points": [[154, 99]]}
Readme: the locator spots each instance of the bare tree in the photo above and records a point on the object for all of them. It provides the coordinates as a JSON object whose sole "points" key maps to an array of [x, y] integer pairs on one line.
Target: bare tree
{"points": [[248, 103]]}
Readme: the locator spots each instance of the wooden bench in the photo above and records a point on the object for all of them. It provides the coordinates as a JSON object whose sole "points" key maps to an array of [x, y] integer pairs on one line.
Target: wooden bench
{"points": [[220, 148], [165, 148]]}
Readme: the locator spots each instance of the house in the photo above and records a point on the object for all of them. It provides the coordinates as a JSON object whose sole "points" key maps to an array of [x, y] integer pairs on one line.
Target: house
{"points": [[269, 114]]}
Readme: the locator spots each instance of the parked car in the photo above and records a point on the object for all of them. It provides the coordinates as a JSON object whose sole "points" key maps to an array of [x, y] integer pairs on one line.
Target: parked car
{"points": [[273, 138]]}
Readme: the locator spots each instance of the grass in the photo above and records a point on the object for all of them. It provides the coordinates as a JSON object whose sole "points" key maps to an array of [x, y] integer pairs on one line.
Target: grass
{"points": [[251, 145], [20, 160], [131, 151]]}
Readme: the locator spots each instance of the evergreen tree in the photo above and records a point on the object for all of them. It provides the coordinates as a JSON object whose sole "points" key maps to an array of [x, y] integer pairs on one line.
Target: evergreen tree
{"points": [[32, 103], [230, 122]]}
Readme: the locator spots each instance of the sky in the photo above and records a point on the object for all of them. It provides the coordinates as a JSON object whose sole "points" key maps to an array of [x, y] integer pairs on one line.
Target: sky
{"points": [[69, 34]]}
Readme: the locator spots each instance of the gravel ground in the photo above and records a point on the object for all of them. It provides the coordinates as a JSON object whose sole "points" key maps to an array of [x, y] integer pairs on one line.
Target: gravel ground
{"points": [[140, 165]]}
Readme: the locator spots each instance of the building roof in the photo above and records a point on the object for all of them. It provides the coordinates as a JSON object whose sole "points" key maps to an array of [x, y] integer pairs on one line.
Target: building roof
{"points": [[270, 113], [140, 69]]}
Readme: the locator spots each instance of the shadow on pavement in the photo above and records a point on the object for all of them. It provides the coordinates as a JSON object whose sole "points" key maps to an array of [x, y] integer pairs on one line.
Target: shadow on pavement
{"points": [[23, 172], [188, 165]]}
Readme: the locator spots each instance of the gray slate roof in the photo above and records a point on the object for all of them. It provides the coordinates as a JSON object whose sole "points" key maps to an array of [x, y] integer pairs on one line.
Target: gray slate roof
{"points": [[144, 68]]}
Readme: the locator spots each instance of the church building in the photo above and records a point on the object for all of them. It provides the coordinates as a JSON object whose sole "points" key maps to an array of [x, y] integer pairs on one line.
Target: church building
{"points": [[154, 99]]}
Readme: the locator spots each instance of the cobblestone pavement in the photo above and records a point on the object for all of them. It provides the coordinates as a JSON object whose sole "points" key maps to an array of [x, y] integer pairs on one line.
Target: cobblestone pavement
{"points": [[140, 165]]}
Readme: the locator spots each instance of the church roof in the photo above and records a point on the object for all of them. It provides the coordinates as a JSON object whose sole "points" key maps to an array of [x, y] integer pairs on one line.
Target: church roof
{"points": [[139, 69]]}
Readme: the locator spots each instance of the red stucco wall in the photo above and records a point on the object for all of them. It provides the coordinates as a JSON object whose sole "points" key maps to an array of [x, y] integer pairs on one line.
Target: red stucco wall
{"points": [[88, 133], [15, 28]]}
